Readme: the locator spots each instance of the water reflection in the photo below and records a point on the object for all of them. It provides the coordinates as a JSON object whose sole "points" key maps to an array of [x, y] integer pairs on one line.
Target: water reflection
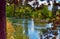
{"points": [[32, 26], [31, 29], [28, 26]]}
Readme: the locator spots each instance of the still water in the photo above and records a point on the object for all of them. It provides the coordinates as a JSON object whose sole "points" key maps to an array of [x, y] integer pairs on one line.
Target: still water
{"points": [[30, 28], [31, 32]]}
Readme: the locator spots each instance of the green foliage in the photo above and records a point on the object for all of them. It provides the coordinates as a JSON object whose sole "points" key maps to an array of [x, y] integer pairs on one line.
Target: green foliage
{"points": [[45, 12], [10, 10], [25, 37], [28, 12], [18, 32], [59, 10]]}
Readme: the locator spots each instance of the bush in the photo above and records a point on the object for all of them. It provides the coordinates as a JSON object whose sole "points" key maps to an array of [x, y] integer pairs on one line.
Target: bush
{"points": [[10, 10]]}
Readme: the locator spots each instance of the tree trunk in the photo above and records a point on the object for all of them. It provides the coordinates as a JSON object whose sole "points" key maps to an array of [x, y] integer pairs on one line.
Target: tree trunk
{"points": [[55, 8], [2, 20]]}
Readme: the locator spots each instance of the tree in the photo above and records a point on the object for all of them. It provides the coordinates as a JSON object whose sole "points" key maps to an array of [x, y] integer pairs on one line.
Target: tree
{"points": [[2, 20], [10, 10], [45, 12], [54, 10]]}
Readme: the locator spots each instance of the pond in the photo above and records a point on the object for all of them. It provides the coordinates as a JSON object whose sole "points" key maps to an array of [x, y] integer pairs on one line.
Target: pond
{"points": [[30, 28], [33, 29]]}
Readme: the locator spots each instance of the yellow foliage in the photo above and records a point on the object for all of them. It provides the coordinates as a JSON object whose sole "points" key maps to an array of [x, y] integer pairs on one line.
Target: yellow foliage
{"points": [[10, 30], [9, 27]]}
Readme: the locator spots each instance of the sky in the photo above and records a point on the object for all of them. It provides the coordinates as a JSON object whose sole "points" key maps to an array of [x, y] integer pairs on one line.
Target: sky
{"points": [[58, 0], [44, 2], [50, 7]]}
